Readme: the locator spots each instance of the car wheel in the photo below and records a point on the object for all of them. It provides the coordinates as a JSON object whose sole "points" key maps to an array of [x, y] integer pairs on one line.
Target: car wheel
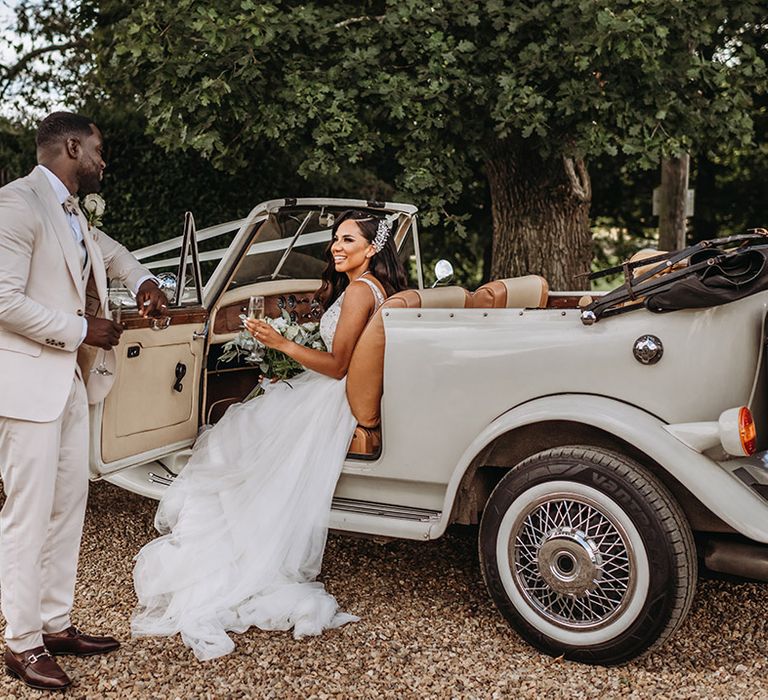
{"points": [[587, 555]]}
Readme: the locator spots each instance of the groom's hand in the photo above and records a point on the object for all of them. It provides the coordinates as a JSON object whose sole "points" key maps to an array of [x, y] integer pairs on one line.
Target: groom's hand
{"points": [[102, 333], [150, 300]]}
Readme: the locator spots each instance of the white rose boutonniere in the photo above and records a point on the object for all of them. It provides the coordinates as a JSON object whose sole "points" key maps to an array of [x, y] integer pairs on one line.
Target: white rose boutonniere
{"points": [[93, 207]]}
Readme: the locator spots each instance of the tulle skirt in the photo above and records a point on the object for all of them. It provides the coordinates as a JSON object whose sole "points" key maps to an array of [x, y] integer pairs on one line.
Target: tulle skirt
{"points": [[247, 521]]}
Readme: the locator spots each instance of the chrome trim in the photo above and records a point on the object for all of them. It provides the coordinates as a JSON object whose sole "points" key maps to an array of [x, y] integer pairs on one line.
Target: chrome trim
{"points": [[196, 335], [648, 349], [385, 510], [292, 243], [159, 479], [160, 324]]}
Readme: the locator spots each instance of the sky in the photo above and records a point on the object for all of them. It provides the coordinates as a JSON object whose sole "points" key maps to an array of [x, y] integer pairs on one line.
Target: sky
{"points": [[6, 17], [11, 107]]}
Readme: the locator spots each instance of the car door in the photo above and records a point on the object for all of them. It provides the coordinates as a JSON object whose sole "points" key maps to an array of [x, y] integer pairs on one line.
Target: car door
{"points": [[165, 369], [153, 408]]}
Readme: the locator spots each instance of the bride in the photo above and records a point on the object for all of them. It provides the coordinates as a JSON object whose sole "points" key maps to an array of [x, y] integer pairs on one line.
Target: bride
{"points": [[247, 518]]}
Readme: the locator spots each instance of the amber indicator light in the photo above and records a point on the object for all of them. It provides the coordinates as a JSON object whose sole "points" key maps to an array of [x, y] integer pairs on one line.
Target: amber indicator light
{"points": [[747, 432]]}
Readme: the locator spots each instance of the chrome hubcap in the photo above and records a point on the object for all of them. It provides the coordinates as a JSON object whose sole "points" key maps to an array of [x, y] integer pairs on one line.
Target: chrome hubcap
{"points": [[571, 561]]}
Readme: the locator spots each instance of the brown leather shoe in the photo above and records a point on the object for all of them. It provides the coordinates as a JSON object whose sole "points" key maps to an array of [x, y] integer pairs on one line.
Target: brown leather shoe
{"points": [[72, 642], [37, 668]]}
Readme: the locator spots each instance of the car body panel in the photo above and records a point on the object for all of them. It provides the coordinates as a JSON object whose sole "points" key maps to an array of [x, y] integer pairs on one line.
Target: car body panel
{"points": [[469, 366], [456, 380], [716, 488]]}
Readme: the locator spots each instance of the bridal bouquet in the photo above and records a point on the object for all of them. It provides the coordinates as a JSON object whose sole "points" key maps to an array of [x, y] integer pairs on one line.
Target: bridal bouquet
{"points": [[274, 365]]}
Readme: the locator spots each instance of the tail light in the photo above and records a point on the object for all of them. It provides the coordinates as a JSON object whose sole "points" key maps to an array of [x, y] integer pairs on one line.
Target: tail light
{"points": [[747, 431]]}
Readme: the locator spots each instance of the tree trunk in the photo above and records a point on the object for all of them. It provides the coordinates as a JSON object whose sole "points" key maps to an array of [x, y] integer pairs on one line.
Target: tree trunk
{"points": [[673, 201], [704, 221], [540, 217]]}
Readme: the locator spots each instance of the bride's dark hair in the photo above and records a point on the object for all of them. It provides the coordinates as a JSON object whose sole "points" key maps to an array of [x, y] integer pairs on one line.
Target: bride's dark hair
{"points": [[385, 265]]}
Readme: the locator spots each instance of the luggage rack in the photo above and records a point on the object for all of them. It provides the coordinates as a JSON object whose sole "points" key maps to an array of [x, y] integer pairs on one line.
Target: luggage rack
{"points": [[664, 270]]}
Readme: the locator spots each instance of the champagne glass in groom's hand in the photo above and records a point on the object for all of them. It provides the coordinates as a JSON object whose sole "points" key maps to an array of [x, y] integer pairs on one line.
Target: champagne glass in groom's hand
{"points": [[105, 334]]}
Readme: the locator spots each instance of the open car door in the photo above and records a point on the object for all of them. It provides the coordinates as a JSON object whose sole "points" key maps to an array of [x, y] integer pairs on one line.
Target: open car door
{"points": [[153, 408], [171, 378]]}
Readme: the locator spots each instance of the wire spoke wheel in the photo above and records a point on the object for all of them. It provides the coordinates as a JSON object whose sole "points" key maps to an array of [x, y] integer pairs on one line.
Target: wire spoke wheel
{"points": [[572, 561], [587, 555]]}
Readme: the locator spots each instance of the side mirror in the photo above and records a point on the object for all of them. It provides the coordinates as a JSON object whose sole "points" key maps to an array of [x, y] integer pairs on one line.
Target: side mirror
{"points": [[443, 271], [168, 283]]}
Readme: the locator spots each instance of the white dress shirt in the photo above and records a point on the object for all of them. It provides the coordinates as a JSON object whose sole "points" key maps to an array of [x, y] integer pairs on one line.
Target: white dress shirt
{"points": [[61, 191]]}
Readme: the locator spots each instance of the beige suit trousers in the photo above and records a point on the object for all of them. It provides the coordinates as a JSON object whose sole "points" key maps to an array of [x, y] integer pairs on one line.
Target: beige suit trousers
{"points": [[44, 467]]}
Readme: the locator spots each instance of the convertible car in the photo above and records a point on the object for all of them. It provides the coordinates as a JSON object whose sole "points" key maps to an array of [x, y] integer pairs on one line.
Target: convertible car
{"points": [[603, 461]]}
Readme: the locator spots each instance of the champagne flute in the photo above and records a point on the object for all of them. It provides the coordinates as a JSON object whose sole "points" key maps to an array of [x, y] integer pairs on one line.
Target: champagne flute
{"points": [[101, 368], [255, 312], [256, 308]]}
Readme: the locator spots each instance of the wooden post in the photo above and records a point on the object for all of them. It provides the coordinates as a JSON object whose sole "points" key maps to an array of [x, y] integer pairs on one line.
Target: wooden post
{"points": [[673, 202]]}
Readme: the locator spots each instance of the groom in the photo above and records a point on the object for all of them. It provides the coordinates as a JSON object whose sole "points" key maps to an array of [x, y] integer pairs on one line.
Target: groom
{"points": [[49, 257]]}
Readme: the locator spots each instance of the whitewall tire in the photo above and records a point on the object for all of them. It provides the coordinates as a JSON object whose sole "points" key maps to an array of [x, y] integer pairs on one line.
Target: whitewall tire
{"points": [[587, 555]]}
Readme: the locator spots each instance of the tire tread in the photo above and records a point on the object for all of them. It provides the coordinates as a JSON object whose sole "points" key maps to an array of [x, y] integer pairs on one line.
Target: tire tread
{"points": [[669, 515]]}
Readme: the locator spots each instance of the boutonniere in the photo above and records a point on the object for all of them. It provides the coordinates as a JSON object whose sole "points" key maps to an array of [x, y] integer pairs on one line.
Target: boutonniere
{"points": [[93, 207]]}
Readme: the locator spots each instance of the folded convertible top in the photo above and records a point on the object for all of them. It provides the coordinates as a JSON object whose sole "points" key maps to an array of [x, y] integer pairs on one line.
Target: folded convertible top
{"points": [[709, 273]]}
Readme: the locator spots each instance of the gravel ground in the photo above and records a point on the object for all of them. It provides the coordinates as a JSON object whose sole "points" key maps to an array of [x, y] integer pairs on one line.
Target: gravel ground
{"points": [[428, 630]]}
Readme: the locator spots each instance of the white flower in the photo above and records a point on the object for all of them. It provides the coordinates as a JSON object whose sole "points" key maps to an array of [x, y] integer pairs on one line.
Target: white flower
{"points": [[93, 206], [94, 203], [272, 363]]}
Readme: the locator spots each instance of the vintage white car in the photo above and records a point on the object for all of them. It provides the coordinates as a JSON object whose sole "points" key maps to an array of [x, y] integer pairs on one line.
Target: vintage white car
{"points": [[601, 460]]}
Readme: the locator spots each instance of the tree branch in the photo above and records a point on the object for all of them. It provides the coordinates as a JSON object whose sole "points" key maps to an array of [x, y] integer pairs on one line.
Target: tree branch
{"points": [[11, 72], [357, 20], [581, 187]]}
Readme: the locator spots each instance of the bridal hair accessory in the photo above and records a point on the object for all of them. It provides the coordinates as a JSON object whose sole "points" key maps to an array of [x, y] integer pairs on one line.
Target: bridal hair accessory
{"points": [[383, 231]]}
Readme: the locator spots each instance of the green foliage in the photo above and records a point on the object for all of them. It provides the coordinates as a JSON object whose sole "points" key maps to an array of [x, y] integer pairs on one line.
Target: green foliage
{"points": [[732, 184], [46, 54], [435, 84], [402, 100], [17, 151], [147, 189]]}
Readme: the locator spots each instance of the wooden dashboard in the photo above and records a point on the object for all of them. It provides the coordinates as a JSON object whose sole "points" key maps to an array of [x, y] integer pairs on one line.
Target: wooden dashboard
{"points": [[300, 306]]}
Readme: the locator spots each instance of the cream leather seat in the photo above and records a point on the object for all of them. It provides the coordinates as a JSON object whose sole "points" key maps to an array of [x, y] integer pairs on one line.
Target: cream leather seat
{"points": [[529, 292]]}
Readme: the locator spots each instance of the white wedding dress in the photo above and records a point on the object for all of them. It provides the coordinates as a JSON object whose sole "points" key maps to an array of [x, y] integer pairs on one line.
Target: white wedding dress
{"points": [[247, 519]]}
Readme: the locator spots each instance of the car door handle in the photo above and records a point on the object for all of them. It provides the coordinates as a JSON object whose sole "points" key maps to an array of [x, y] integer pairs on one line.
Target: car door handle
{"points": [[181, 371], [196, 335]]}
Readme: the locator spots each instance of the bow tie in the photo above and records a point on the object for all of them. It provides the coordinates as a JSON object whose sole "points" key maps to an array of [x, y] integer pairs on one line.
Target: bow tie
{"points": [[71, 205]]}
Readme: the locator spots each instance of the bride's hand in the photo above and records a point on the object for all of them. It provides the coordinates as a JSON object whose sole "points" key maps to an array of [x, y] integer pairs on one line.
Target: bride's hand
{"points": [[265, 334]]}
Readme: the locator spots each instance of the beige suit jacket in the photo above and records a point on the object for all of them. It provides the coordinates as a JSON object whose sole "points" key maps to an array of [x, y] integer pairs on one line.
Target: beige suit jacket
{"points": [[43, 298]]}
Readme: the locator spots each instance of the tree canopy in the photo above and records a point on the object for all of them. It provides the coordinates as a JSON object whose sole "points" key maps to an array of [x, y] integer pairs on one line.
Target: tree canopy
{"points": [[457, 104], [443, 88]]}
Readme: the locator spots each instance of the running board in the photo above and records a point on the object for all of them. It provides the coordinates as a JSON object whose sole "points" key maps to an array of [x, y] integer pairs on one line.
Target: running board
{"points": [[377, 520], [385, 510], [382, 519]]}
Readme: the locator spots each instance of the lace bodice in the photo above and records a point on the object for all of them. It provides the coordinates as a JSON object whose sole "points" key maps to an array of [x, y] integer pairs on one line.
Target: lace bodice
{"points": [[330, 318]]}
